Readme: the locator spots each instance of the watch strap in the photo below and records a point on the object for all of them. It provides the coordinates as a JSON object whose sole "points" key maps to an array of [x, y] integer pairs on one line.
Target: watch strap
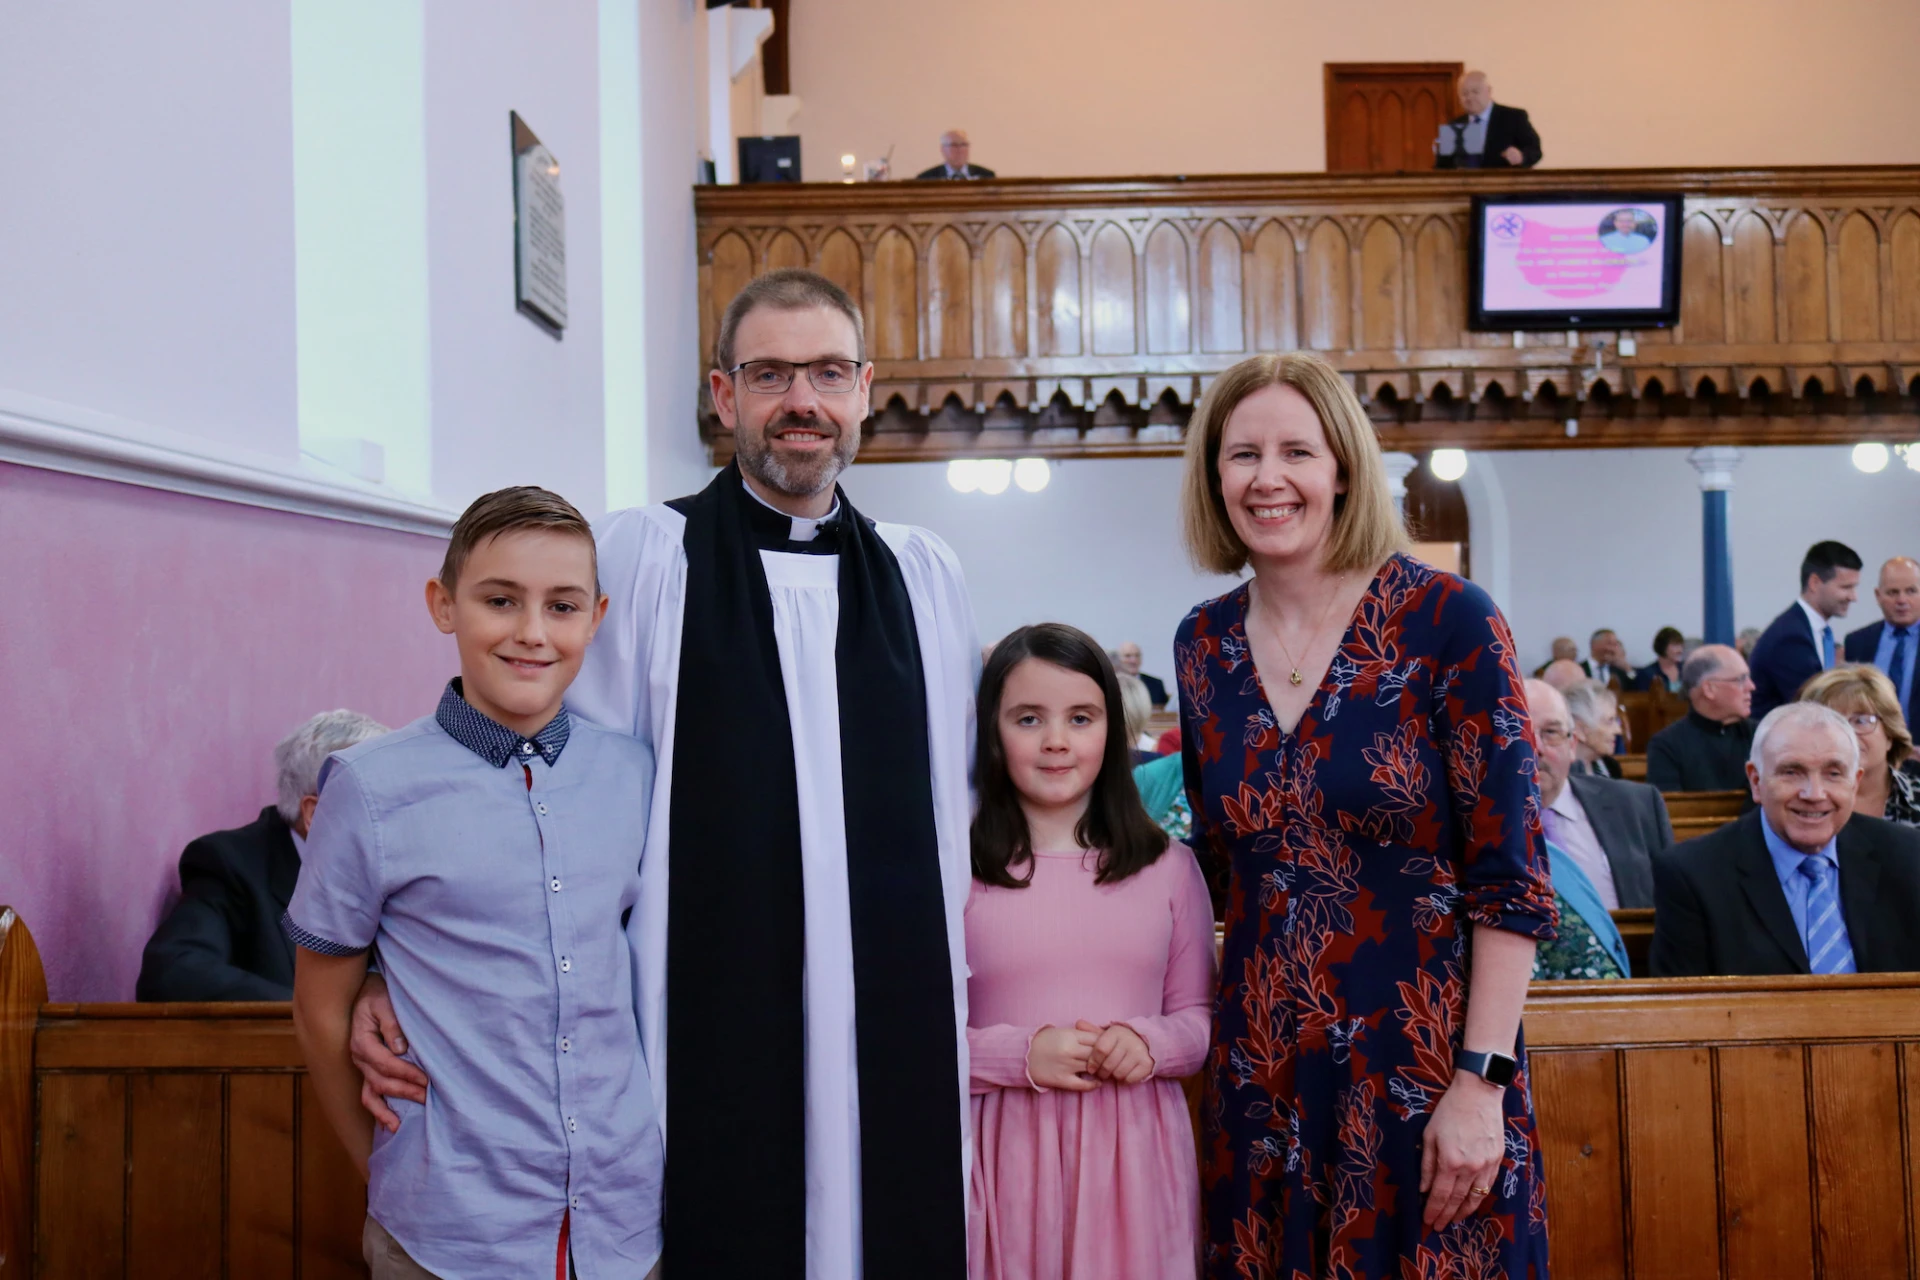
{"points": [[1494, 1068]]}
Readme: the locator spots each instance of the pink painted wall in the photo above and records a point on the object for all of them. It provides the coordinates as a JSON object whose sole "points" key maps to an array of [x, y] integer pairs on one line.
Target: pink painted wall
{"points": [[154, 648]]}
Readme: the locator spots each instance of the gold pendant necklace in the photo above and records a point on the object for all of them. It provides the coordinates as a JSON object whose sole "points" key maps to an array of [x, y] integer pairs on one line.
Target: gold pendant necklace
{"points": [[1294, 677]]}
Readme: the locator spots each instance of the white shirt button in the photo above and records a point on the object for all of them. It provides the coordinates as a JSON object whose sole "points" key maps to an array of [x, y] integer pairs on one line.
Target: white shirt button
{"points": [[571, 1126], [540, 809], [566, 1045], [573, 1202], [526, 748], [555, 884], [566, 965]]}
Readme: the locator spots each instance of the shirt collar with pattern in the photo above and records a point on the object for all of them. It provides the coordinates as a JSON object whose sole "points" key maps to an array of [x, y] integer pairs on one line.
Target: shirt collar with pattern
{"points": [[1787, 859], [493, 741]]}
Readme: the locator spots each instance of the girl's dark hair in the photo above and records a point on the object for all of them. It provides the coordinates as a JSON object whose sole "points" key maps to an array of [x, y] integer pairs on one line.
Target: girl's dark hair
{"points": [[1116, 823]]}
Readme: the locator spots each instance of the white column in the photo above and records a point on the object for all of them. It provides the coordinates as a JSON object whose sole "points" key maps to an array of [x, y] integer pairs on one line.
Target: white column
{"points": [[1399, 467], [734, 36]]}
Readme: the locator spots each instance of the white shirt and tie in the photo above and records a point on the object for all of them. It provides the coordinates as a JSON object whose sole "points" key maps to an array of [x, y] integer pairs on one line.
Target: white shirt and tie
{"points": [[1823, 639]]}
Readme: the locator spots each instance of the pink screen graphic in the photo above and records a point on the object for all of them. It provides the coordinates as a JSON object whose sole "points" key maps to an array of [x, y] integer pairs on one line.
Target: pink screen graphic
{"points": [[1573, 257]]}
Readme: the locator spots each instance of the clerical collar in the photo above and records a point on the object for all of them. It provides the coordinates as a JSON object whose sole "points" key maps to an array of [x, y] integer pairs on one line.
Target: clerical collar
{"points": [[1715, 727], [797, 528], [492, 741]]}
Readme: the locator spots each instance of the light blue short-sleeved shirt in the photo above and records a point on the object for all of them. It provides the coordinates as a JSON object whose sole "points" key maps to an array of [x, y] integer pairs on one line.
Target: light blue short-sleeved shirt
{"points": [[495, 875]]}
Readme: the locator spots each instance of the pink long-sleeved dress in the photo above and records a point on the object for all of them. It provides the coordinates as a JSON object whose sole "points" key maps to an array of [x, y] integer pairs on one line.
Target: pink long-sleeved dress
{"points": [[1100, 1185]]}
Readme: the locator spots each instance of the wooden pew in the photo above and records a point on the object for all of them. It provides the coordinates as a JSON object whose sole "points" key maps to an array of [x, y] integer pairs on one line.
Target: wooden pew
{"points": [[1698, 813], [1633, 767], [1636, 931]]}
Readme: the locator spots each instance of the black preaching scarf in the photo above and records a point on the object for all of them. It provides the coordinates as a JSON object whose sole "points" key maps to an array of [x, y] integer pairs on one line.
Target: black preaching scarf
{"points": [[736, 923]]}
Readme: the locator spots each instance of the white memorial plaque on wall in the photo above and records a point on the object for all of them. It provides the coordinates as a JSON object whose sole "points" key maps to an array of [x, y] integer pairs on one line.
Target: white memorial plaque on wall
{"points": [[540, 231]]}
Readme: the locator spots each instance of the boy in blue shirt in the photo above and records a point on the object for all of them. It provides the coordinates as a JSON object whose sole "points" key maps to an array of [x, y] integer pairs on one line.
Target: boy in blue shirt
{"points": [[491, 852]]}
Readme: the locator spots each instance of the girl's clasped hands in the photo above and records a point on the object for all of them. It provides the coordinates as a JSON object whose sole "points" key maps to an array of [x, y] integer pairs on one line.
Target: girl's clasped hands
{"points": [[1086, 1056]]}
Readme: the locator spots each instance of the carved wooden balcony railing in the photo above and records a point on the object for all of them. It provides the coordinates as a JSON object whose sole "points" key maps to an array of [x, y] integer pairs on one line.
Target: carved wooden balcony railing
{"points": [[1086, 317]]}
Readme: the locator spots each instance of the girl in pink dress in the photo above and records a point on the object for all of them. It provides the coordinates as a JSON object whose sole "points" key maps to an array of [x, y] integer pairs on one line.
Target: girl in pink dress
{"points": [[1090, 945]]}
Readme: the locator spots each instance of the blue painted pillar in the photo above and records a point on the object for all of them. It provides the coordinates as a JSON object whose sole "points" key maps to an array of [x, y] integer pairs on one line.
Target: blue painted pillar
{"points": [[1715, 467]]}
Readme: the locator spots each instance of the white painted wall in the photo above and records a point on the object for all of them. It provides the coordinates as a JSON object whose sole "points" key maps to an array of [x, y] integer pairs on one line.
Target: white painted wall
{"points": [[146, 234], [1594, 538]]}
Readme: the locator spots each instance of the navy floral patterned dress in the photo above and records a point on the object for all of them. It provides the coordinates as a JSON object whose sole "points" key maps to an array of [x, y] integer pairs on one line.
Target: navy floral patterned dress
{"points": [[1352, 853]]}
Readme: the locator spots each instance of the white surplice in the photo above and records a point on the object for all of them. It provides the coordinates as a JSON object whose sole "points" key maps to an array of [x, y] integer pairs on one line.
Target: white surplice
{"points": [[630, 681]]}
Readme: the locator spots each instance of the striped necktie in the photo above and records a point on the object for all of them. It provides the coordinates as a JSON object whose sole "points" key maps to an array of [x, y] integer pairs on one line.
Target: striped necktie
{"points": [[1828, 950], [1897, 666]]}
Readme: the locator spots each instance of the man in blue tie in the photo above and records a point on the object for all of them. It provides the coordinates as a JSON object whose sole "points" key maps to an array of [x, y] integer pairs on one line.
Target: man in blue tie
{"points": [[1802, 884], [1799, 644], [1893, 643]]}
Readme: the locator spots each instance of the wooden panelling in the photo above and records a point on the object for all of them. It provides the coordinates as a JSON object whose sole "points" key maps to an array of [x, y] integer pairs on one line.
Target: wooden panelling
{"points": [[23, 989], [1223, 310], [1113, 291], [1860, 1168], [1672, 1181], [1169, 322], [1800, 305], [1058, 273], [1703, 304], [1582, 1154], [80, 1194], [174, 1185], [260, 1173], [1858, 250], [840, 262], [1765, 1169], [1004, 275], [893, 327], [1804, 287], [1382, 117], [949, 297], [333, 1200], [1670, 1011]]}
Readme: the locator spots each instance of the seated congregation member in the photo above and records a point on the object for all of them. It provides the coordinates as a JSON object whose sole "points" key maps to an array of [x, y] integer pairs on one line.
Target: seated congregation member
{"points": [[1163, 791], [525, 1150], [1893, 643], [1669, 651], [1563, 673], [1127, 659], [1744, 642], [954, 150], [1802, 884], [1090, 941], [1707, 751], [1141, 745], [1606, 660], [1487, 135], [1588, 945], [223, 940], [1799, 644], [1611, 829], [1563, 649], [1596, 728], [1889, 775], [1359, 759]]}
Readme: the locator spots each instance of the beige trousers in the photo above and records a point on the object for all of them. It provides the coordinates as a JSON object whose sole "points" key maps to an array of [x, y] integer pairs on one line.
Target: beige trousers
{"points": [[388, 1261]]}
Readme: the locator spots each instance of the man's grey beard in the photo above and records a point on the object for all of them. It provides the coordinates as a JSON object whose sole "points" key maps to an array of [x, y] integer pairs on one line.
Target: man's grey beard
{"points": [[801, 478]]}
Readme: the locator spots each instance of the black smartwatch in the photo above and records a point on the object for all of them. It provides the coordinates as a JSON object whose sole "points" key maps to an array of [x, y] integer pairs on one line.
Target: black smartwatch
{"points": [[1494, 1068]]}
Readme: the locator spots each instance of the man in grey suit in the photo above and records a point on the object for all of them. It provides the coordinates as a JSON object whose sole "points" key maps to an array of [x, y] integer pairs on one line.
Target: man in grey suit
{"points": [[1611, 829]]}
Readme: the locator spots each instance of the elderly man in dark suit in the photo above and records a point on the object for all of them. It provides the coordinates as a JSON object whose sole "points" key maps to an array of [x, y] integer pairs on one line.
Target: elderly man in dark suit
{"points": [[1893, 643], [223, 941], [954, 150], [1611, 829], [1799, 644], [1800, 885], [1487, 135]]}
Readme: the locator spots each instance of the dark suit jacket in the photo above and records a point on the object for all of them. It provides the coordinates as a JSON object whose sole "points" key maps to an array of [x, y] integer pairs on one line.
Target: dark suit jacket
{"points": [[1861, 645], [1506, 127], [1631, 820], [973, 171], [224, 941], [1156, 691], [1784, 658], [1617, 677], [1719, 908]]}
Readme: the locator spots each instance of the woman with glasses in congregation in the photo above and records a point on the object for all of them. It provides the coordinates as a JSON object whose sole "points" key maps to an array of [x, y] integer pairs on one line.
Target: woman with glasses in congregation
{"points": [[1360, 767], [1890, 776]]}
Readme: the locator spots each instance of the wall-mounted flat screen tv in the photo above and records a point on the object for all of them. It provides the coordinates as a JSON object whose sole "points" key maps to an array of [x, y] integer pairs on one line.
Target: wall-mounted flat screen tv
{"points": [[1575, 260]]}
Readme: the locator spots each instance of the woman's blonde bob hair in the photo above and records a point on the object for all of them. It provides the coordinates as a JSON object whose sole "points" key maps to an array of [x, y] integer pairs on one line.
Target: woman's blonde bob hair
{"points": [[1366, 524], [1854, 688]]}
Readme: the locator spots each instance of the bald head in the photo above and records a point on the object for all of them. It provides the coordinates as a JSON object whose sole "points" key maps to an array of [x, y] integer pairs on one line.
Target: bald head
{"points": [[1898, 593], [1476, 94], [1554, 749], [1563, 674]]}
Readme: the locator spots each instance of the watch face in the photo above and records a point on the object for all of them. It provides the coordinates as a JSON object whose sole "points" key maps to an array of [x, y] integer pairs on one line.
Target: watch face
{"points": [[1500, 1069]]}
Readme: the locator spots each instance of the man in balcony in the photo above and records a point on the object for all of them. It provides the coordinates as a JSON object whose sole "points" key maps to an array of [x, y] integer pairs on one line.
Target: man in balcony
{"points": [[1488, 135], [954, 150]]}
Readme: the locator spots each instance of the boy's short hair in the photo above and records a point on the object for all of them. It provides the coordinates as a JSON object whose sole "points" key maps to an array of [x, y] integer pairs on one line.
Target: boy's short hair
{"points": [[787, 289], [506, 511]]}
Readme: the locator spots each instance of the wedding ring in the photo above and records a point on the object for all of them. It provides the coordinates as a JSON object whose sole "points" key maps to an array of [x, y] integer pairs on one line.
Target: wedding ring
{"points": [[1480, 1191]]}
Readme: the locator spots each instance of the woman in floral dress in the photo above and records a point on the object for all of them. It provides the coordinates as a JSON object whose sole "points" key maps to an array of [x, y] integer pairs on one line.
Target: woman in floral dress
{"points": [[1359, 763]]}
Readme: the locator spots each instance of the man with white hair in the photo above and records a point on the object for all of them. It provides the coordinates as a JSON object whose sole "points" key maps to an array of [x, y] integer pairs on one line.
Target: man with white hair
{"points": [[223, 941], [1486, 135], [1611, 830], [1802, 884], [1126, 660], [954, 166]]}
